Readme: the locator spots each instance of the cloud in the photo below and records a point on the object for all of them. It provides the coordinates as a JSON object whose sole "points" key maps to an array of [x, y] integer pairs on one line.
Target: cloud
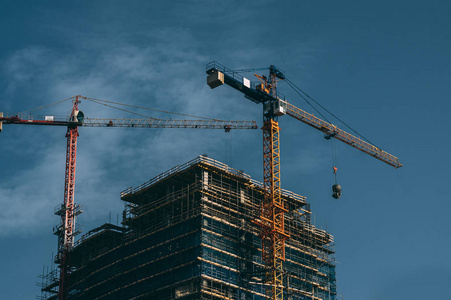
{"points": [[163, 69], [27, 63], [27, 199], [167, 73]]}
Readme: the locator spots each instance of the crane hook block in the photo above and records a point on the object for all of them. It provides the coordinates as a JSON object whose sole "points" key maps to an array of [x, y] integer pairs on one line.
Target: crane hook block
{"points": [[215, 79], [336, 189]]}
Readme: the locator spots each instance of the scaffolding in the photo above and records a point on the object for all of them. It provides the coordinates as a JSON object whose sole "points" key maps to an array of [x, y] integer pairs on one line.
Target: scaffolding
{"points": [[190, 233]]}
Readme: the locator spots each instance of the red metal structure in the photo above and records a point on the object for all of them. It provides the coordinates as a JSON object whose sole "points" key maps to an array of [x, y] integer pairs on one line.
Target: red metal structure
{"points": [[66, 237], [68, 211]]}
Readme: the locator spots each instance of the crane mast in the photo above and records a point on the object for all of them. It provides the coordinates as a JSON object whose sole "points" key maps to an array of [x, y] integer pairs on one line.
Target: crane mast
{"points": [[68, 211], [271, 220], [66, 234]]}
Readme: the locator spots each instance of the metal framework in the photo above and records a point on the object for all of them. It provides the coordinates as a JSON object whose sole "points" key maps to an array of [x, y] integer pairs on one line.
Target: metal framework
{"points": [[135, 123], [188, 233], [333, 131], [273, 233]]}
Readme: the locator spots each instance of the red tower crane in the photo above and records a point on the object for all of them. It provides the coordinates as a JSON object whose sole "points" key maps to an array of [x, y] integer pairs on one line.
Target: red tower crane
{"points": [[273, 234], [68, 211]]}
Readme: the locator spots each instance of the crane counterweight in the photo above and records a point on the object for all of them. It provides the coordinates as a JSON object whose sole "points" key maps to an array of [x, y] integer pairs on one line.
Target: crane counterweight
{"points": [[215, 79]]}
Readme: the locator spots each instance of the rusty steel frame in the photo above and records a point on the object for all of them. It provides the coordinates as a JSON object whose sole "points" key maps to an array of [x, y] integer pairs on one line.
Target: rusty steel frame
{"points": [[66, 238]]}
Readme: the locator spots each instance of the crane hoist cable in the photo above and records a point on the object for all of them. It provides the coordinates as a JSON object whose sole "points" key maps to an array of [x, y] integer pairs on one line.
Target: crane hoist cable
{"points": [[297, 89], [45, 106], [305, 99], [336, 188], [132, 112], [153, 109], [107, 102], [228, 149]]}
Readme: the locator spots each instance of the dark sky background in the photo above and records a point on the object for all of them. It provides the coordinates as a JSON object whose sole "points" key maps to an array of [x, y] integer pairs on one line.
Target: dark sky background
{"points": [[383, 67]]}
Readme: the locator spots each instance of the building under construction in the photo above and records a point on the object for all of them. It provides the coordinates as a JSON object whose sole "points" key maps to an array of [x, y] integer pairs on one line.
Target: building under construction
{"points": [[190, 233]]}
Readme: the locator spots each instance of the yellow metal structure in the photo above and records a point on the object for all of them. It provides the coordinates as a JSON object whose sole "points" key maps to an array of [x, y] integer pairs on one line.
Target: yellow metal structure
{"points": [[273, 233], [333, 131]]}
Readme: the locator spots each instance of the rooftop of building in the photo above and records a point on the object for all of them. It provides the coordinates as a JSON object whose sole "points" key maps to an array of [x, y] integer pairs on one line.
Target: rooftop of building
{"points": [[131, 194]]}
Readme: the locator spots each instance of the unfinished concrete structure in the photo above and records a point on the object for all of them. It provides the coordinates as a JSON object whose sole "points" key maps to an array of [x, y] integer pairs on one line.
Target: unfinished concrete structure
{"points": [[190, 233]]}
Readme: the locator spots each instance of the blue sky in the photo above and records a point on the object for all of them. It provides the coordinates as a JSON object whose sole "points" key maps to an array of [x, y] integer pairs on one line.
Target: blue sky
{"points": [[383, 67]]}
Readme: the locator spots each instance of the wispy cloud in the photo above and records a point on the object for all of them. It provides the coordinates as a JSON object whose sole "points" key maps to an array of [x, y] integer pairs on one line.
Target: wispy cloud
{"points": [[167, 74], [27, 198], [149, 65]]}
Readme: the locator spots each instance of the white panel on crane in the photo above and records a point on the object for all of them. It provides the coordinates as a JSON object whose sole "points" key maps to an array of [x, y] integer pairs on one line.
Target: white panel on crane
{"points": [[280, 108], [246, 82]]}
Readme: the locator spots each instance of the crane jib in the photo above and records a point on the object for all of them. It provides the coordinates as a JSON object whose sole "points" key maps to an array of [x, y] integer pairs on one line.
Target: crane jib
{"points": [[218, 75], [332, 131], [137, 123]]}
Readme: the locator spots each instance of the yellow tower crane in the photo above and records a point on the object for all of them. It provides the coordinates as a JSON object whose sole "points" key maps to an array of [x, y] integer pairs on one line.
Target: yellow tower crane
{"points": [[273, 234]]}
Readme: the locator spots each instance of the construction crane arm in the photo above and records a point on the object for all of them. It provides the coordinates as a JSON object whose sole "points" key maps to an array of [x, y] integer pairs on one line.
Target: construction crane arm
{"points": [[218, 75], [157, 123], [332, 131], [136, 123]]}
